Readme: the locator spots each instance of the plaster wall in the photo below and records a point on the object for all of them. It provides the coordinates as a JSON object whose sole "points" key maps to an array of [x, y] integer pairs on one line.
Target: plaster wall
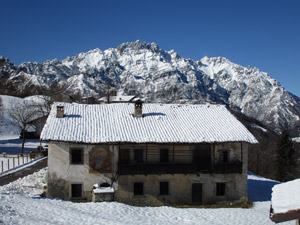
{"points": [[61, 174]]}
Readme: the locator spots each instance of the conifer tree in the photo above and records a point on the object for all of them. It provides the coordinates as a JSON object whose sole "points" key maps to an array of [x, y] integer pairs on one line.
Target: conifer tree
{"points": [[285, 158]]}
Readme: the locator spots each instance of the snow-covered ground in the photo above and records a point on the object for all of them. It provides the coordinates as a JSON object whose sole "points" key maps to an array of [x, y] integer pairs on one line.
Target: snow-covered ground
{"points": [[21, 204]]}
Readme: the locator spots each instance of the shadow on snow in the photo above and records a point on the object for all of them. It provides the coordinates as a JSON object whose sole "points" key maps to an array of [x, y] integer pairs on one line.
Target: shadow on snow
{"points": [[260, 190]]}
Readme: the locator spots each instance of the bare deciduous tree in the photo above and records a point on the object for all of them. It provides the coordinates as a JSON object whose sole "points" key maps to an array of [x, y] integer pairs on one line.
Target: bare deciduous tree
{"points": [[1, 112], [22, 114]]}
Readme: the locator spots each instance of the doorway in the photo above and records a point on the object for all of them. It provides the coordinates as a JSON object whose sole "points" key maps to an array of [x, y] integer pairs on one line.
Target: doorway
{"points": [[197, 193]]}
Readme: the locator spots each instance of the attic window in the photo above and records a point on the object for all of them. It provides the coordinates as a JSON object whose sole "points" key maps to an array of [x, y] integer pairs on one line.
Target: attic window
{"points": [[76, 156]]}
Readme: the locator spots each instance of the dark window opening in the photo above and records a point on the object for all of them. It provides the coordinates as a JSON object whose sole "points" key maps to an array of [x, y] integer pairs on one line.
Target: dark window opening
{"points": [[164, 155], [138, 188], [221, 189], [138, 155], [124, 156], [202, 157], [76, 190], [76, 156], [225, 157], [163, 188]]}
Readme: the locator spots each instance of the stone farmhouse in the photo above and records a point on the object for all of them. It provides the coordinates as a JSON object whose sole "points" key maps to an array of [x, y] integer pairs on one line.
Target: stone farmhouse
{"points": [[146, 154]]}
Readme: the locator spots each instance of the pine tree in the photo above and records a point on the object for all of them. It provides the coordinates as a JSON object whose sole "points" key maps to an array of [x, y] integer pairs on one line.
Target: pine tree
{"points": [[285, 158]]}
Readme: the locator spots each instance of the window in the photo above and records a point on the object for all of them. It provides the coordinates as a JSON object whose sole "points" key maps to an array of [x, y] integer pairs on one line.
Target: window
{"points": [[76, 156], [221, 189], [164, 155], [124, 156], [76, 190], [163, 188], [138, 188], [225, 157], [138, 155]]}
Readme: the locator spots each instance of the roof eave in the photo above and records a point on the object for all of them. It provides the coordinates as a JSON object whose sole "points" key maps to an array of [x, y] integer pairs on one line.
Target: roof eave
{"points": [[282, 217]]}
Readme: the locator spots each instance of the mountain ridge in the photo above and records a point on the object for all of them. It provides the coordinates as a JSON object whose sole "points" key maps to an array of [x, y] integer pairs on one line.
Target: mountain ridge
{"points": [[145, 69]]}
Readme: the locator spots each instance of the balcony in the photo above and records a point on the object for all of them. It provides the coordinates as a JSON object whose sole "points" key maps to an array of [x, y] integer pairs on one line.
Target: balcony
{"points": [[134, 169], [236, 167], [172, 168]]}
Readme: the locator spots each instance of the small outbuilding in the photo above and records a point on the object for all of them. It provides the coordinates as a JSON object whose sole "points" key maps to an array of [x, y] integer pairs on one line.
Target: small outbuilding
{"points": [[285, 204]]}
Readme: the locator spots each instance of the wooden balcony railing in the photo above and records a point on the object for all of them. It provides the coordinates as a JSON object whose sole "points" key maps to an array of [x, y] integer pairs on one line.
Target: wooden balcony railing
{"points": [[171, 168], [236, 167]]}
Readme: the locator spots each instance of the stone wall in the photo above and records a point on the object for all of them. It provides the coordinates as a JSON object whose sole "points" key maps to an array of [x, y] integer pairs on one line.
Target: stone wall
{"points": [[180, 185], [180, 189], [62, 174]]}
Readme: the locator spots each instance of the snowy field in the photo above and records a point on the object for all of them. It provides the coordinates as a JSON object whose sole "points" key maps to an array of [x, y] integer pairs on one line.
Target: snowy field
{"points": [[21, 204], [20, 201]]}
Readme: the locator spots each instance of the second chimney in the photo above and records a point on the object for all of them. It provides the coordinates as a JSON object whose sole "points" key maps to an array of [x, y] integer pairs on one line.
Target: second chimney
{"points": [[59, 111], [138, 108]]}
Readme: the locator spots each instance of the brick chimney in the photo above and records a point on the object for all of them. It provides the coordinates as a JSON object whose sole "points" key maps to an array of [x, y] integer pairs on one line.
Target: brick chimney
{"points": [[138, 108], [59, 111]]}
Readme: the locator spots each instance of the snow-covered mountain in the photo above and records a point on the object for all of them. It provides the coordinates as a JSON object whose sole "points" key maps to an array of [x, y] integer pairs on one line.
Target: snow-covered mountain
{"points": [[163, 76]]}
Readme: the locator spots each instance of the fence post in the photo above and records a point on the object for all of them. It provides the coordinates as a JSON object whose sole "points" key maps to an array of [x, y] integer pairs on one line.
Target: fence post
{"points": [[14, 162], [18, 160], [2, 166], [7, 163]]}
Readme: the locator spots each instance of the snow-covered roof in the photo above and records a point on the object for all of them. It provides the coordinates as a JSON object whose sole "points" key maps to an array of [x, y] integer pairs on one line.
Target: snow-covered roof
{"points": [[286, 201], [161, 123], [119, 98]]}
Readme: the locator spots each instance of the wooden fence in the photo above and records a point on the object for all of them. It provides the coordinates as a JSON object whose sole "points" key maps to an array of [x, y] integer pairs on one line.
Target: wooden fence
{"points": [[10, 161]]}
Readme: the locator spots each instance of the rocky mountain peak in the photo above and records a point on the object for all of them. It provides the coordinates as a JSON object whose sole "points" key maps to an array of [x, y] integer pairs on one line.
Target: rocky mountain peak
{"points": [[145, 69], [137, 46]]}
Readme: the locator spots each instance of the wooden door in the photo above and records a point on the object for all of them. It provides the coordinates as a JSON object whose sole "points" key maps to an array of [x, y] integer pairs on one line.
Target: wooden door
{"points": [[197, 193]]}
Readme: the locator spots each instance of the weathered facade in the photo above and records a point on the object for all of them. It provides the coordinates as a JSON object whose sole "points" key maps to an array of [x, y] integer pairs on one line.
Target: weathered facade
{"points": [[182, 173], [190, 176]]}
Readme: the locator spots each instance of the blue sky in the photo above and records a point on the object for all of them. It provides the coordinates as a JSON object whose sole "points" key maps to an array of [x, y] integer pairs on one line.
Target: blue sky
{"points": [[260, 33]]}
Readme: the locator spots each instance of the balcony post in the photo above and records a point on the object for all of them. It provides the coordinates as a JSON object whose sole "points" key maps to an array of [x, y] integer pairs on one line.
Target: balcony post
{"points": [[146, 153], [213, 158], [173, 153]]}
